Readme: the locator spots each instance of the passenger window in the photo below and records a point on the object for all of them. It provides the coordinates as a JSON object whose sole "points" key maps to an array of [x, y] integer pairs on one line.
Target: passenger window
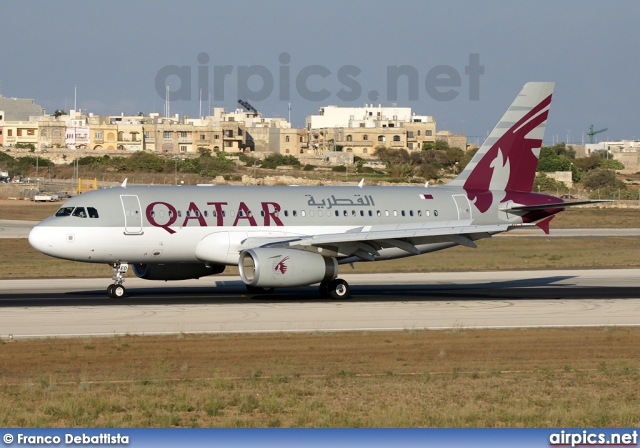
{"points": [[295, 213], [395, 213], [370, 213], [386, 213], [64, 211], [402, 212], [206, 213], [79, 212], [426, 213], [319, 212], [179, 213], [303, 213], [419, 212], [93, 213], [353, 213], [410, 212], [286, 213], [435, 213], [337, 213], [361, 212], [378, 212]]}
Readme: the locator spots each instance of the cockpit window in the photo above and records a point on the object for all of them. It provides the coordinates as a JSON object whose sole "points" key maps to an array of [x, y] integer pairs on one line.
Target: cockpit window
{"points": [[93, 213], [79, 212], [64, 211]]}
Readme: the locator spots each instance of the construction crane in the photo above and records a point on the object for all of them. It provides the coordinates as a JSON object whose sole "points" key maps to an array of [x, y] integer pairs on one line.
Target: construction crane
{"points": [[591, 133]]}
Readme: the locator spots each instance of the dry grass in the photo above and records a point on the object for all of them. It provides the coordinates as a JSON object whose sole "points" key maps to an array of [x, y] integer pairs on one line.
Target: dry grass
{"points": [[461, 378], [27, 210]]}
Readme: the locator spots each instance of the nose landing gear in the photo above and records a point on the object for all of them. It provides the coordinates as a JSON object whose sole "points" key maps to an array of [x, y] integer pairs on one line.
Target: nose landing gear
{"points": [[117, 290]]}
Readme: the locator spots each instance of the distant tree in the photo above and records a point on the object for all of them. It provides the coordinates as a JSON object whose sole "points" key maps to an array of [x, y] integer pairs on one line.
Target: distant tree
{"points": [[204, 152], [272, 161], [612, 164], [59, 112], [601, 178], [542, 182]]}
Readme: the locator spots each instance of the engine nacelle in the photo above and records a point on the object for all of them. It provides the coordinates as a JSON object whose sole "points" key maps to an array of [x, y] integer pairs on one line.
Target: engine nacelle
{"points": [[276, 267], [176, 271]]}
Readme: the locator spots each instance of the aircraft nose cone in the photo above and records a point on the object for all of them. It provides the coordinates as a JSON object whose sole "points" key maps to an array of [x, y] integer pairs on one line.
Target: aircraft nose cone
{"points": [[41, 239]]}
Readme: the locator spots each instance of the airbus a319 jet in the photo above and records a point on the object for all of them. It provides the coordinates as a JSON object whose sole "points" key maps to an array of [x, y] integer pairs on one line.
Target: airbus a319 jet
{"points": [[296, 236]]}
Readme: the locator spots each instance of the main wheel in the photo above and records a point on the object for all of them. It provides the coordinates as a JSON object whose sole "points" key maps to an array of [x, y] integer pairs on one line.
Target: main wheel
{"points": [[118, 291], [339, 289], [110, 291]]}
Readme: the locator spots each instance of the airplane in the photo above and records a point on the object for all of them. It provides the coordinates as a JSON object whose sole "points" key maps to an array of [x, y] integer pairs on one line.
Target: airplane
{"points": [[288, 236]]}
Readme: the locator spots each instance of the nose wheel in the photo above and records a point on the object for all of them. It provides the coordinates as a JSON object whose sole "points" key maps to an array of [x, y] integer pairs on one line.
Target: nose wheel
{"points": [[117, 290]]}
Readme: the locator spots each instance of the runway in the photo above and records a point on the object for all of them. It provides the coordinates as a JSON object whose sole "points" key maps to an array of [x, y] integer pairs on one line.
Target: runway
{"points": [[42, 308]]}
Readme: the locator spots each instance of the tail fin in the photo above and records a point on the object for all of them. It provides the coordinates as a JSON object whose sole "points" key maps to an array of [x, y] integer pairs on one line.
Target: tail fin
{"points": [[508, 158]]}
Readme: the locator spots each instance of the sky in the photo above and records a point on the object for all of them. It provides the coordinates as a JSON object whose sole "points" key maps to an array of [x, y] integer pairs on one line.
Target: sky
{"points": [[462, 62]]}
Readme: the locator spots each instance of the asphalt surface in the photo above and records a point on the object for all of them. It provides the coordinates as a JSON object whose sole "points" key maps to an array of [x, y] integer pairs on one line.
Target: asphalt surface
{"points": [[40, 308]]}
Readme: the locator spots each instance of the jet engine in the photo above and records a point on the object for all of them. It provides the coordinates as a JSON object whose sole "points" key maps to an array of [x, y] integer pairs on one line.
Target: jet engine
{"points": [[176, 271], [276, 267]]}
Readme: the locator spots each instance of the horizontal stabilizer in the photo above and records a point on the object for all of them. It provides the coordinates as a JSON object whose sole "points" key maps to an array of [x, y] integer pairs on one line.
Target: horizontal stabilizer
{"points": [[526, 208], [544, 224]]}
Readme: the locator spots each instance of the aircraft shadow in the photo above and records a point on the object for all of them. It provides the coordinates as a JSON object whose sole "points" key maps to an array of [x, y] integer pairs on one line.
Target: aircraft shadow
{"points": [[234, 292]]}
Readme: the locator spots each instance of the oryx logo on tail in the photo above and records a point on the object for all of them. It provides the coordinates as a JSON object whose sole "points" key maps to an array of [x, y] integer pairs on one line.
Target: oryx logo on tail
{"points": [[507, 160]]}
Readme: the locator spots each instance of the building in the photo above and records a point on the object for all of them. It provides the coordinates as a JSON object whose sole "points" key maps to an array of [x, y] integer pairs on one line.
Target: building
{"points": [[19, 109], [20, 133], [453, 140], [52, 133], [288, 141], [625, 151], [360, 130]]}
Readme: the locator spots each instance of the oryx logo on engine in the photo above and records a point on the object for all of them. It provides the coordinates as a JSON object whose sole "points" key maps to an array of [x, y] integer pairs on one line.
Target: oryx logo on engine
{"points": [[281, 266]]}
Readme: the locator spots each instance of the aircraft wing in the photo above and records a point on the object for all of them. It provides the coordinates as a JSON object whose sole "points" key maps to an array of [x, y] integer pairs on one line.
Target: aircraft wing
{"points": [[366, 241]]}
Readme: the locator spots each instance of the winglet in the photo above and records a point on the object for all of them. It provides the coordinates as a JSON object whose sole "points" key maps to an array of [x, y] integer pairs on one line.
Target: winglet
{"points": [[544, 224], [124, 183]]}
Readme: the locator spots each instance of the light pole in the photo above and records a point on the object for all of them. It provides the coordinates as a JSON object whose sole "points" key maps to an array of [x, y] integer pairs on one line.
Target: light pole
{"points": [[175, 169]]}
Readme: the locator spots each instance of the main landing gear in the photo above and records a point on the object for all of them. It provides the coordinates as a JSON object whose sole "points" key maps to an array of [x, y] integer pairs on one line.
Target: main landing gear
{"points": [[337, 289], [117, 290]]}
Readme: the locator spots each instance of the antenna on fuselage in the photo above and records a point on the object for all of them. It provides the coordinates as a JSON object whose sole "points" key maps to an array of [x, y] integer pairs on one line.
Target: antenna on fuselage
{"points": [[124, 183]]}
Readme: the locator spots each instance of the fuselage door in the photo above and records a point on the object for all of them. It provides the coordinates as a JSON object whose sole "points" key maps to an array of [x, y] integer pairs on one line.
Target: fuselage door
{"points": [[132, 214], [463, 205]]}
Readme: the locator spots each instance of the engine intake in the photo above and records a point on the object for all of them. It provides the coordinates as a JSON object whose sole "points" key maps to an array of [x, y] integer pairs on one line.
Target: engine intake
{"points": [[176, 271], [275, 267]]}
